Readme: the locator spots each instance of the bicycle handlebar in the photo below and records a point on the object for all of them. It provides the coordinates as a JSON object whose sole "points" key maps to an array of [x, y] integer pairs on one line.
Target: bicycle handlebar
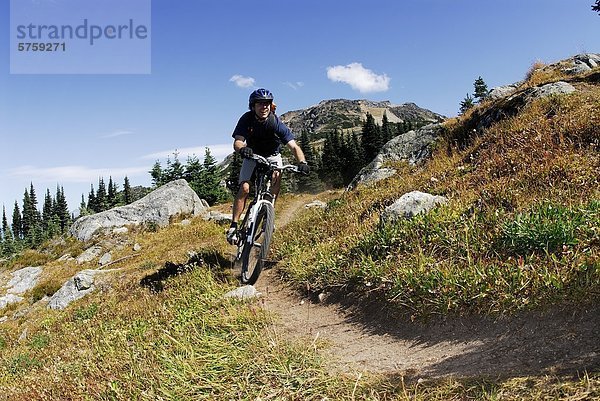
{"points": [[263, 160]]}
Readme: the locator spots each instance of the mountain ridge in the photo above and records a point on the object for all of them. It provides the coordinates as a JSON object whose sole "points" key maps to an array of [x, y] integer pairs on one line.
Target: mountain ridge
{"points": [[346, 114]]}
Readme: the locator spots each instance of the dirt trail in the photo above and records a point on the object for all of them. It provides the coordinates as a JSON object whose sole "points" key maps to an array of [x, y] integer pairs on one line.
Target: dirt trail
{"points": [[366, 339]]}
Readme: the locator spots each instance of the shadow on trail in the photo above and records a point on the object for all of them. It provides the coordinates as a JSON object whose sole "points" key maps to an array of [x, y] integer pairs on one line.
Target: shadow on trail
{"points": [[155, 282], [560, 340]]}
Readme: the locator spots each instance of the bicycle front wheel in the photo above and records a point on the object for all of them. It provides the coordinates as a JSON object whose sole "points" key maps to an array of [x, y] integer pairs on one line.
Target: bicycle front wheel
{"points": [[256, 250]]}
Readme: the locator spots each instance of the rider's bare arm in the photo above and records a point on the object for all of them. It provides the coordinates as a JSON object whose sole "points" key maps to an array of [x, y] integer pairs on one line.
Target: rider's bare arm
{"points": [[238, 143], [296, 151]]}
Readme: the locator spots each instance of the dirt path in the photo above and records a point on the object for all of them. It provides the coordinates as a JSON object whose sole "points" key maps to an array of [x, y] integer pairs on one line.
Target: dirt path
{"points": [[366, 339]]}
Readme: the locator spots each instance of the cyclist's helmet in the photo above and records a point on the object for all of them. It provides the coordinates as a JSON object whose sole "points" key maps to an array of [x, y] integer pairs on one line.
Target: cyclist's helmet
{"points": [[259, 94]]}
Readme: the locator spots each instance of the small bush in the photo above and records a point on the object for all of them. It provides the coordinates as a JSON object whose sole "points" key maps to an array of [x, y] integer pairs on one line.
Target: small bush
{"points": [[548, 228]]}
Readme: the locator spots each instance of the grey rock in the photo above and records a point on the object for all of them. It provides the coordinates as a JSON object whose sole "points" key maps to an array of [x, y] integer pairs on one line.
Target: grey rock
{"points": [[84, 280], [411, 204], [245, 292], [120, 230], [553, 89], [413, 147], [317, 204], [88, 255], [217, 217], [158, 207], [75, 288], [105, 259], [503, 91], [23, 280], [66, 257], [9, 299], [137, 247], [185, 222]]}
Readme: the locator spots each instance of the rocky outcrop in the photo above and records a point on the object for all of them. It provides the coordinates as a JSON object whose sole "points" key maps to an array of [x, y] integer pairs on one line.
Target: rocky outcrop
{"points": [[21, 281], [75, 288], [158, 207], [349, 115], [413, 147], [411, 204]]}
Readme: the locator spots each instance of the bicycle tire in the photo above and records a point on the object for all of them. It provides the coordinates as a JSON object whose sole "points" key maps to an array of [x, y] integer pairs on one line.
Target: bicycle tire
{"points": [[256, 251]]}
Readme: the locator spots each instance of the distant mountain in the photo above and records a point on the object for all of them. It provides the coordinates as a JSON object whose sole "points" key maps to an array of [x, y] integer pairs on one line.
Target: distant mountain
{"points": [[348, 115]]}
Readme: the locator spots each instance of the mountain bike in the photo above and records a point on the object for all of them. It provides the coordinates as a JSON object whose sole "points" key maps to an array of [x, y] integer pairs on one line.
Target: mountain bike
{"points": [[256, 230]]}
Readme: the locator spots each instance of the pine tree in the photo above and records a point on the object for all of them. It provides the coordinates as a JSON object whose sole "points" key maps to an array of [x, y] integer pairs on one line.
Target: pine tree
{"points": [[596, 7], [17, 222], [61, 210], [5, 227], [47, 211], [157, 174], [83, 208], [208, 185], [466, 104], [92, 204], [112, 199], [101, 197], [127, 196], [28, 218], [331, 162], [386, 129], [234, 172], [354, 158], [481, 89], [309, 183], [371, 138], [192, 169]]}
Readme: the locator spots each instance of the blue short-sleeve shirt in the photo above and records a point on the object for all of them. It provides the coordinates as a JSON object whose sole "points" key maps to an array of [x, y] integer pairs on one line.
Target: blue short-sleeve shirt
{"points": [[263, 137]]}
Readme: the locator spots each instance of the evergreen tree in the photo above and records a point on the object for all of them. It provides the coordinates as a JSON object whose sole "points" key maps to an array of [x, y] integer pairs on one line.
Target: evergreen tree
{"points": [[466, 104], [371, 138], [47, 211], [157, 174], [83, 208], [354, 158], [208, 185], [112, 199], [174, 169], [127, 195], [387, 133], [309, 183], [192, 169], [28, 222], [101, 196], [596, 7], [92, 204], [234, 172], [331, 162], [5, 227], [481, 89], [17, 222], [61, 210]]}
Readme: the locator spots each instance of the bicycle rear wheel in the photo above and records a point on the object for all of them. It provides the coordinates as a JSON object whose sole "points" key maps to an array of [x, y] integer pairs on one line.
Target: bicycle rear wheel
{"points": [[256, 250]]}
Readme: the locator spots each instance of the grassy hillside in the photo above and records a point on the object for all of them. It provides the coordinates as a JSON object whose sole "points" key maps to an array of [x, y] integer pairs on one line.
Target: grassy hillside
{"points": [[521, 230]]}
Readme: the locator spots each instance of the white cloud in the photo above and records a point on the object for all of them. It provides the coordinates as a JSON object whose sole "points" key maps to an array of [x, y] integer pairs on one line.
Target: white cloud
{"points": [[242, 81], [294, 85], [116, 134], [73, 174], [219, 152], [359, 78]]}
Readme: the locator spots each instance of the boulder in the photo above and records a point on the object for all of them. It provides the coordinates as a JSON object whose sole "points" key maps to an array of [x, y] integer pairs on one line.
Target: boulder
{"points": [[413, 147], [158, 207], [9, 299], [245, 292], [75, 288], [411, 204], [88, 255], [23, 280]]}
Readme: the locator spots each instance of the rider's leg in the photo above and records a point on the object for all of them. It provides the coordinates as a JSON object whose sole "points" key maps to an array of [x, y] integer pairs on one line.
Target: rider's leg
{"points": [[275, 184], [240, 201]]}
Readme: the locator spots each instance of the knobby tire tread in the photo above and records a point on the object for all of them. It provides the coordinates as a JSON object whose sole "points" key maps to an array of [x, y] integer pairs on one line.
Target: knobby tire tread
{"points": [[252, 267]]}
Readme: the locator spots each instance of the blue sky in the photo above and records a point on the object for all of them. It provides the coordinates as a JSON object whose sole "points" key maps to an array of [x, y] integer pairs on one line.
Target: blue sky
{"points": [[207, 56]]}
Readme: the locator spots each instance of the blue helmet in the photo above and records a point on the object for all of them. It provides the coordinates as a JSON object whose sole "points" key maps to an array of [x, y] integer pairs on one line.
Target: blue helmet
{"points": [[259, 94]]}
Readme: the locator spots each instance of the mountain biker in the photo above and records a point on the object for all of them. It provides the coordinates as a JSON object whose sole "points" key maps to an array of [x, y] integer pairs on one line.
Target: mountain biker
{"points": [[260, 131]]}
